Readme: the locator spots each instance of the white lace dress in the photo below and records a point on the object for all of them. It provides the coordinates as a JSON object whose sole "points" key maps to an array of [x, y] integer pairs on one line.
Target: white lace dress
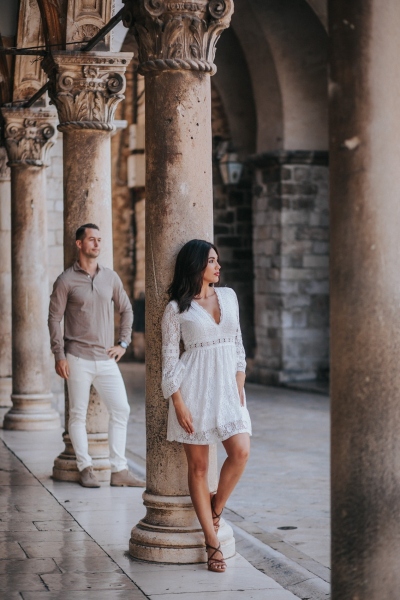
{"points": [[206, 371]]}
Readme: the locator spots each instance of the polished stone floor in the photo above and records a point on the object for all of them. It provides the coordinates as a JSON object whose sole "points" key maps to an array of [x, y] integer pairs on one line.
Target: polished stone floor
{"points": [[61, 541]]}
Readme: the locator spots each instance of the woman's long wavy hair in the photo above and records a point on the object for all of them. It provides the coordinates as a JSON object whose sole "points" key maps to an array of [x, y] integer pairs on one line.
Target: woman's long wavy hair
{"points": [[188, 276]]}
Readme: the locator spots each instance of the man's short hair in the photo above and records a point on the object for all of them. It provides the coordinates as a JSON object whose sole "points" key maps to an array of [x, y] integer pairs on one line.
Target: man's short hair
{"points": [[80, 232]]}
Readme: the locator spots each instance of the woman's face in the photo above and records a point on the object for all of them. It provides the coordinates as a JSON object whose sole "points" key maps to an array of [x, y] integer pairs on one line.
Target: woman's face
{"points": [[211, 272]]}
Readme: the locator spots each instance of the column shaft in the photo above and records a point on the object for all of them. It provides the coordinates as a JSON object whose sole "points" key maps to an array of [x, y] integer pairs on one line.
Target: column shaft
{"points": [[365, 298], [29, 135], [86, 88], [176, 52], [87, 199], [5, 282], [178, 209]]}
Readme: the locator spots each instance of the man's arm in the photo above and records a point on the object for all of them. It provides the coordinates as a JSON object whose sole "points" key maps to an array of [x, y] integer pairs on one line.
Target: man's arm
{"points": [[124, 307], [58, 303]]}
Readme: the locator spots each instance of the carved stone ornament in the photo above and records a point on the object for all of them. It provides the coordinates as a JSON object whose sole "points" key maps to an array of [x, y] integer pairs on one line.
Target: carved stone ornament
{"points": [[177, 35], [5, 173], [86, 87], [29, 134]]}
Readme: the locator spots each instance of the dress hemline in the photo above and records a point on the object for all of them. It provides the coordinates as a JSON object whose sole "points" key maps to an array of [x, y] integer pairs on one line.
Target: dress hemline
{"points": [[216, 439]]}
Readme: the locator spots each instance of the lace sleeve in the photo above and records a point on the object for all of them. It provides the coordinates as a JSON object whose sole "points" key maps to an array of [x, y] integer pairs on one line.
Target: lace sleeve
{"points": [[240, 352], [172, 367]]}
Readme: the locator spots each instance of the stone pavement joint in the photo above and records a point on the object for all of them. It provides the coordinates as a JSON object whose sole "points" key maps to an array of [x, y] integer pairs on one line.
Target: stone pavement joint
{"points": [[286, 483], [279, 512], [36, 550], [90, 556]]}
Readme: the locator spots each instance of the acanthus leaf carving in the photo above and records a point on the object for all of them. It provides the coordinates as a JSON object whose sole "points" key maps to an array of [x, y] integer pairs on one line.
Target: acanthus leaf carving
{"points": [[177, 35], [172, 33], [86, 89], [29, 134]]}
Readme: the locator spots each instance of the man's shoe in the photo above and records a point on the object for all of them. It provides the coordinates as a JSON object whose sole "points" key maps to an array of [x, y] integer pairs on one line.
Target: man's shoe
{"points": [[88, 479], [126, 479]]}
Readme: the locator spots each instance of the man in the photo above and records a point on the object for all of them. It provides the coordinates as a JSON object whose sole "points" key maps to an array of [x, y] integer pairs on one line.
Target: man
{"points": [[85, 295]]}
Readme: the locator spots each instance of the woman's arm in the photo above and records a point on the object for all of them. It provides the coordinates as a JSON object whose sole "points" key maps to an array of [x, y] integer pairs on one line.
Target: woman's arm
{"points": [[240, 357], [183, 414], [172, 366]]}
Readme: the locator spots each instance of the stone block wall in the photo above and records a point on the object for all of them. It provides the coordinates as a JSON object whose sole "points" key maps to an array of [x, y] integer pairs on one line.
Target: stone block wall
{"points": [[291, 266], [233, 238]]}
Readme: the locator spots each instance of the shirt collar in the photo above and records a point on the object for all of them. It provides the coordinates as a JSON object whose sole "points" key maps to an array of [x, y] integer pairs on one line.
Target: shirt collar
{"points": [[77, 267]]}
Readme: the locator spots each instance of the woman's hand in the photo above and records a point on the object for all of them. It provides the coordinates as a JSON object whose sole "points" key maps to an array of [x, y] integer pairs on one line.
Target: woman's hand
{"points": [[240, 379], [183, 414]]}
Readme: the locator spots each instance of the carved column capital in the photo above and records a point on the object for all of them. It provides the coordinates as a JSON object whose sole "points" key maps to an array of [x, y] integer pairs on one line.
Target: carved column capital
{"points": [[86, 87], [177, 35], [29, 134], [5, 173]]}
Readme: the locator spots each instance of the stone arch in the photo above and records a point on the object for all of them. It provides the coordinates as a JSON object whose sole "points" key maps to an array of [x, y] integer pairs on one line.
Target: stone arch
{"points": [[285, 46]]}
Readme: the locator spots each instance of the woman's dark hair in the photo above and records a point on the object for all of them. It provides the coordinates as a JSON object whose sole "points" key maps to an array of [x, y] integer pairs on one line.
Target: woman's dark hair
{"points": [[189, 268]]}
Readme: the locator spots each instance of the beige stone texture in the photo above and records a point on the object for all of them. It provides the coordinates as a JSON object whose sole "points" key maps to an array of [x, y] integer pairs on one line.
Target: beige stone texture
{"points": [[5, 282], [179, 190], [365, 297], [29, 135], [178, 208], [28, 75], [86, 88]]}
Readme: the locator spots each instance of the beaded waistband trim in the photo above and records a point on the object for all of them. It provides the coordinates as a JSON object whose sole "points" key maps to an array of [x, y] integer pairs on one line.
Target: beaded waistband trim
{"points": [[218, 342]]}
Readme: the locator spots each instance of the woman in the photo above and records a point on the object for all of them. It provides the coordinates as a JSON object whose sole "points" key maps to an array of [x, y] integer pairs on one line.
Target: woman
{"points": [[206, 384]]}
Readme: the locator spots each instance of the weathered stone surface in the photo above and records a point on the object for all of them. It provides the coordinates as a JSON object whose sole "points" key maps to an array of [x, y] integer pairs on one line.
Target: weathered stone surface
{"points": [[29, 135], [175, 35], [86, 88], [178, 208], [85, 19], [28, 76], [5, 281], [290, 226], [365, 297]]}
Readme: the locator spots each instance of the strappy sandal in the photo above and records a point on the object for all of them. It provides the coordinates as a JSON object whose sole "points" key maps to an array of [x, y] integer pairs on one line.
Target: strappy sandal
{"points": [[216, 565], [215, 515]]}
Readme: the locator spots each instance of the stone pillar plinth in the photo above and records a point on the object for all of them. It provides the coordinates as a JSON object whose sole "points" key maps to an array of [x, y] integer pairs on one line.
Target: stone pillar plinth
{"points": [[176, 52], [29, 135], [86, 88], [5, 282], [365, 298]]}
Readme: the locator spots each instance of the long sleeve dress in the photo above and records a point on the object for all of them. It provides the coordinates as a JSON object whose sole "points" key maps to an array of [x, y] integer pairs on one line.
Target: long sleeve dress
{"points": [[206, 371]]}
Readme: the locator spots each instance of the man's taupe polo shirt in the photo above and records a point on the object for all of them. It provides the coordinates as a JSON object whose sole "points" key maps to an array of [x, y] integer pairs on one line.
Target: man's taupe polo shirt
{"points": [[87, 306]]}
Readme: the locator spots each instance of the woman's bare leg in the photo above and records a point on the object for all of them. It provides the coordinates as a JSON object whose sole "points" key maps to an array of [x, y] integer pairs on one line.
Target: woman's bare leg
{"points": [[238, 449], [197, 458]]}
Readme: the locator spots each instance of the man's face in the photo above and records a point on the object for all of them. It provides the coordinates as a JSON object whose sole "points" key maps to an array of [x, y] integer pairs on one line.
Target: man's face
{"points": [[90, 246]]}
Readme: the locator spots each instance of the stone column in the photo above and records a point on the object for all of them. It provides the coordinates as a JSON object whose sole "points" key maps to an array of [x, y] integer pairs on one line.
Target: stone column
{"points": [[5, 282], [176, 51], [365, 298], [86, 88], [29, 135]]}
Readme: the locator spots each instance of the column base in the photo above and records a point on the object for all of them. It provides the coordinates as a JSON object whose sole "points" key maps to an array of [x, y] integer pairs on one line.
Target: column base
{"points": [[171, 533], [31, 412], [5, 392], [65, 468]]}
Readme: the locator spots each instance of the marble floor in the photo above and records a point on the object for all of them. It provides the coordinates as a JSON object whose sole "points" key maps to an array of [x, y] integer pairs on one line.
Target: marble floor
{"points": [[61, 541]]}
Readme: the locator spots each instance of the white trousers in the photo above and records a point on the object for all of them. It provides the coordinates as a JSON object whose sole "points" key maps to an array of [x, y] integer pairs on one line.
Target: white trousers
{"points": [[106, 378]]}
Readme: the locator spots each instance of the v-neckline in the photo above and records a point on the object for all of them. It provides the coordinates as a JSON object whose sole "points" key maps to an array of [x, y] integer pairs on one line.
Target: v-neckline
{"points": [[209, 314]]}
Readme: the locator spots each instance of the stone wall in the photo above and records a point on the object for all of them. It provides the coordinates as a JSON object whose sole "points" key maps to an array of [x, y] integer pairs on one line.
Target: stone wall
{"points": [[233, 227], [291, 245], [233, 238]]}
